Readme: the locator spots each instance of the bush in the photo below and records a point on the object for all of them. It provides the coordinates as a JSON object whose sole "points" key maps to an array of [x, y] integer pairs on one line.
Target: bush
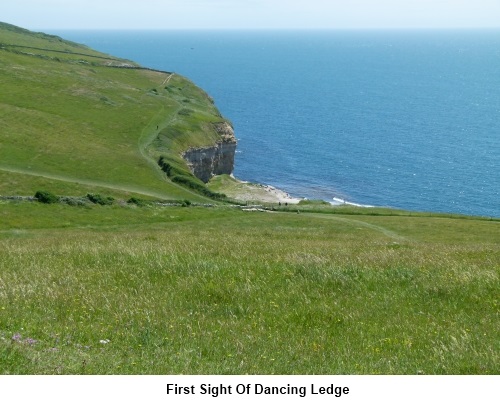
{"points": [[74, 201], [46, 197], [136, 201], [185, 112], [98, 199]]}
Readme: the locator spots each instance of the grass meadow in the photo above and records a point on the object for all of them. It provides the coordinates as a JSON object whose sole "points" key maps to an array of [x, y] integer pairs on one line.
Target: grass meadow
{"points": [[191, 290]]}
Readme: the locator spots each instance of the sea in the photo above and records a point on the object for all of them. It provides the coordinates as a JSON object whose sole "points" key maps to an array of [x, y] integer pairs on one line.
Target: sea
{"points": [[396, 118]]}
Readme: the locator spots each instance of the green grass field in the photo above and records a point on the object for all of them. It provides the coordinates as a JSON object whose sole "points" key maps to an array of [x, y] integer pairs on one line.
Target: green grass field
{"points": [[146, 288], [220, 291]]}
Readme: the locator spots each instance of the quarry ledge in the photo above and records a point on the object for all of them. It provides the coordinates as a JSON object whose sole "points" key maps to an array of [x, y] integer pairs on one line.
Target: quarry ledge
{"points": [[206, 162]]}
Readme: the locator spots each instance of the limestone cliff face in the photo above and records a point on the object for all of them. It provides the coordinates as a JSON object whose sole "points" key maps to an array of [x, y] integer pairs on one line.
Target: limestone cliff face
{"points": [[209, 161]]}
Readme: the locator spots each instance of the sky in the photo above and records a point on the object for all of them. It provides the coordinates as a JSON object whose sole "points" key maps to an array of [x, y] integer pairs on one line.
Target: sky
{"points": [[250, 14]]}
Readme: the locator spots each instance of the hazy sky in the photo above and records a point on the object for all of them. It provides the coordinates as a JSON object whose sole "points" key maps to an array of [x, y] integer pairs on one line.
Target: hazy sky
{"points": [[250, 14]]}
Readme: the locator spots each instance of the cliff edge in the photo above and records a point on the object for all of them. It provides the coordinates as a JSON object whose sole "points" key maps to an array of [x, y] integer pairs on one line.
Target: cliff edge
{"points": [[206, 162]]}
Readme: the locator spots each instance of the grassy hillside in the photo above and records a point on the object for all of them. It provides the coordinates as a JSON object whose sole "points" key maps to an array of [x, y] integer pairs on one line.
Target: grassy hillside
{"points": [[14, 37], [69, 114], [157, 289]]}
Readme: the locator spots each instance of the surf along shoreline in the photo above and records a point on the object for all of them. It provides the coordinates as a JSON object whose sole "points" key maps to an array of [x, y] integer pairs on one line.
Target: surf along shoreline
{"points": [[249, 192]]}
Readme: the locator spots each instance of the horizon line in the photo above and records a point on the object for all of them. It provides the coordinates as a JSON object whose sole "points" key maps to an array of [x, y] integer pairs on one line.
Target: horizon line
{"points": [[274, 29]]}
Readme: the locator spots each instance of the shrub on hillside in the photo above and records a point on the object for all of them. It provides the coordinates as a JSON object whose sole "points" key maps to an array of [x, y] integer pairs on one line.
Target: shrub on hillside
{"points": [[46, 197], [185, 112], [74, 201], [136, 201], [98, 199]]}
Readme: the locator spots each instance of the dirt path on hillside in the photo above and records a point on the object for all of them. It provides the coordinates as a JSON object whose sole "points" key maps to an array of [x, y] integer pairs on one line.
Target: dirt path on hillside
{"points": [[92, 183], [385, 231], [167, 80]]}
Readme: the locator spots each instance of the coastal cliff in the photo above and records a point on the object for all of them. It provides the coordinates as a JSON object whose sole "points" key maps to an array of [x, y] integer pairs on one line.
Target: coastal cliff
{"points": [[172, 121], [206, 162]]}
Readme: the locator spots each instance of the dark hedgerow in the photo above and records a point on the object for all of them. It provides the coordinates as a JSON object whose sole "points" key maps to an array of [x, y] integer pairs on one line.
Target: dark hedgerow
{"points": [[46, 197], [171, 169], [194, 185], [183, 177]]}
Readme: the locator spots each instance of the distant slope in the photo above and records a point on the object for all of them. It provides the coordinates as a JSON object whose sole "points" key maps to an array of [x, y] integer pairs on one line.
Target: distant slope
{"points": [[77, 116], [12, 35]]}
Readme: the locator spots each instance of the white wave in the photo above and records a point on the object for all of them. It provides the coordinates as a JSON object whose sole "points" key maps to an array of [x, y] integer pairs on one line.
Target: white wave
{"points": [[341, 201]]}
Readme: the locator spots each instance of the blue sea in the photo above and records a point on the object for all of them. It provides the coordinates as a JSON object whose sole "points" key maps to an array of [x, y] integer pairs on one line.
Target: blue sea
{"points": [[405, 119]]}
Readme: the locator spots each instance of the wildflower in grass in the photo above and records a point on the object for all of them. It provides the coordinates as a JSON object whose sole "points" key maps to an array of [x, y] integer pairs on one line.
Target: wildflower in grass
{"points": [[30, 341], [104, 341], [19, 339]]}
